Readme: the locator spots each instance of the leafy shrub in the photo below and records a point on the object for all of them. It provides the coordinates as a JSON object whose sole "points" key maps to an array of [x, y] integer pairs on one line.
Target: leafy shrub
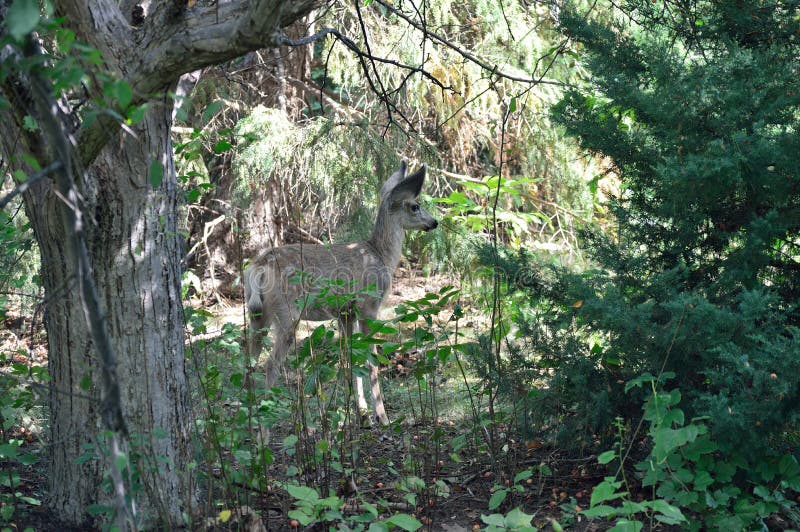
{"points": [[687, 477], [696, 112]]}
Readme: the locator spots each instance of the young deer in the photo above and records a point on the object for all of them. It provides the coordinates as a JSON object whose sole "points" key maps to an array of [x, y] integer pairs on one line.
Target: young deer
{"points": [[272, 288]]}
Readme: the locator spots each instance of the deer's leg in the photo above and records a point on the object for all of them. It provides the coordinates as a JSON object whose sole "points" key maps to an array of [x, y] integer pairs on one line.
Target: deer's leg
{"points": [[374, 383], [255, 343], [346, 331], [362, 399], [284, 341]]}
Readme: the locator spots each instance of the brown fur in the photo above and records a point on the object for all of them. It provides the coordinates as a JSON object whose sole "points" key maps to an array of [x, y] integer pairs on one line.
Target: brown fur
{"points": [[276, 294]]}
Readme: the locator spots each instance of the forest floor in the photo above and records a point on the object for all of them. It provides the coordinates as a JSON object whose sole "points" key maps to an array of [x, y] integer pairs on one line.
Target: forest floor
{"points": [[411, 467]]}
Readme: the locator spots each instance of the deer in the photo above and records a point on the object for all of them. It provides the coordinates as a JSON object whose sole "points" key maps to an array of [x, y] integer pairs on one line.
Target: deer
{"points": [[276, 299]]}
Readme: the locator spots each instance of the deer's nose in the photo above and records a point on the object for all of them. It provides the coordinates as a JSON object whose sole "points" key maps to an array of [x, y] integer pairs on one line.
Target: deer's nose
{"points": [[434, 225]]}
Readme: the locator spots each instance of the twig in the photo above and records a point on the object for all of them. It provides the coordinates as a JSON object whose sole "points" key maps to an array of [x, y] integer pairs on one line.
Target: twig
{"points": [[465, 54], [28, 183]]}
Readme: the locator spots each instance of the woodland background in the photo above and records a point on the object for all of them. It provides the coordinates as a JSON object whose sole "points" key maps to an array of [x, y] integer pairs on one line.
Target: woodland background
{"points": [[602, 333]]}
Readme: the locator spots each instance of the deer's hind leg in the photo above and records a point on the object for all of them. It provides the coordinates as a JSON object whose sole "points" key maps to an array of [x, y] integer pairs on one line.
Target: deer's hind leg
{"points": [[255, 340], [284, 334]]}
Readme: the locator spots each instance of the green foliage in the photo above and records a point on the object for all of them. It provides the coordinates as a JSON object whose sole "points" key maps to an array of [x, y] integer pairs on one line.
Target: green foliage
{"points": [[19, 261], [687, 476], [331, 172], [17, 403], [323, 443], [699, 118], [234, 406], [457, 106], [70, 66], [471, 217], [22, 18], [501, 493], [311, 509], [514, 521]]}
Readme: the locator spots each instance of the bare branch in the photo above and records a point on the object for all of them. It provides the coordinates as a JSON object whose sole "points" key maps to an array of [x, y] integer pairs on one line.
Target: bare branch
{"points": [[494, 69]]}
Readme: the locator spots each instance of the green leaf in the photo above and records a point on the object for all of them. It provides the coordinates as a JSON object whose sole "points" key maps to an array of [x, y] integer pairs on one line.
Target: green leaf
{"points": [[512, 105], [8, 450], [497, 498], [136, 114], [123, 94], [302, 517], [605, 491], [601, 510], [788, 466], [702, 480], [761, 491], [64, 40], [302, 493], [121, 461], [624, 525], [210, 110], [405, 521], [667, 440], [494, 520], [222, 146], [155, 174], [31, 160], [22, 17], [523, 475], [517, 519], [670, 515], [29, 123], [606, 457], [28, 459]]}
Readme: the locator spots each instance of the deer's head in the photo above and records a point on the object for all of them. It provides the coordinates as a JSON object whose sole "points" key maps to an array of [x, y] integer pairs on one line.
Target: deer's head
{"points": [[400, 194]]}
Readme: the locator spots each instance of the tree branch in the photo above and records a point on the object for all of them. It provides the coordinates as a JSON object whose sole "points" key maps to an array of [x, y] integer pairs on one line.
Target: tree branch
{"points": [[494, 69], [28, 183], [99, 23], [189, 41]]}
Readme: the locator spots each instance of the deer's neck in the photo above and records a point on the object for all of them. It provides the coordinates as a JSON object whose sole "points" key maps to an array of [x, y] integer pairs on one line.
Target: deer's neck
{"points": [[387, 238]]}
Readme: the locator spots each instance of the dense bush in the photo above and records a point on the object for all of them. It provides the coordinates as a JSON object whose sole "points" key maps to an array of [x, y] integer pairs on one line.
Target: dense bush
{"points": [[696, 110]]}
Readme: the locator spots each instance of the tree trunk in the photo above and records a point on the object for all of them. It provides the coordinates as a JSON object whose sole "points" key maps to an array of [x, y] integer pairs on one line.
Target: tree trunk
{"points": [[131, 232], [135, 253]]}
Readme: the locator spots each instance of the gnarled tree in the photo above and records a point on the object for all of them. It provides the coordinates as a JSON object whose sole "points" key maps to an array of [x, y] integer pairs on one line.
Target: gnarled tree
{"points": [[130, 231]]}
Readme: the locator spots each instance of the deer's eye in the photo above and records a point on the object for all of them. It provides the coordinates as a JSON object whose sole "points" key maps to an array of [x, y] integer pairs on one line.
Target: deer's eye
{"points": [[415, 208]]}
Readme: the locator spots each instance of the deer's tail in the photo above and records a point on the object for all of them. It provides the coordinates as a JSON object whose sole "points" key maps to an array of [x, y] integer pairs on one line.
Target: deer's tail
{"points": [[252, 289]]}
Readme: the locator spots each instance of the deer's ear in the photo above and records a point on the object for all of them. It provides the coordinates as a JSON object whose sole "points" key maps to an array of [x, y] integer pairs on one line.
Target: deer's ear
{"points": [[393, 181], [410, 187]]}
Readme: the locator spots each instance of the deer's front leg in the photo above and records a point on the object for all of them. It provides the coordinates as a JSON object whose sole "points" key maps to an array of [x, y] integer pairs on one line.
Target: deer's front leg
{"points": [[346, 328], [284, 341], [374, 384]]}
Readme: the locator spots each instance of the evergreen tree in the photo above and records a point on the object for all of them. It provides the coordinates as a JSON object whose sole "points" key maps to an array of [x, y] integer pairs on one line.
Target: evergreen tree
{"points": [[696, 105]]}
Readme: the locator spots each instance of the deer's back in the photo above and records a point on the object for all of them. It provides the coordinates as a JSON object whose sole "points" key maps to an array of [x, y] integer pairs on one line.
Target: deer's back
{"points": [[321, 276]]}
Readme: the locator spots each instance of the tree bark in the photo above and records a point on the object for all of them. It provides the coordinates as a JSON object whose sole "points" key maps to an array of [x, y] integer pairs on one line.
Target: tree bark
{"points": [[134, 246]]}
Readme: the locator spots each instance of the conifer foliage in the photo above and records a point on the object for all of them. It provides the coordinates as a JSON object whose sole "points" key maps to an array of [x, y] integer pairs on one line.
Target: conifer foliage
{"points": [[697, 107]]}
